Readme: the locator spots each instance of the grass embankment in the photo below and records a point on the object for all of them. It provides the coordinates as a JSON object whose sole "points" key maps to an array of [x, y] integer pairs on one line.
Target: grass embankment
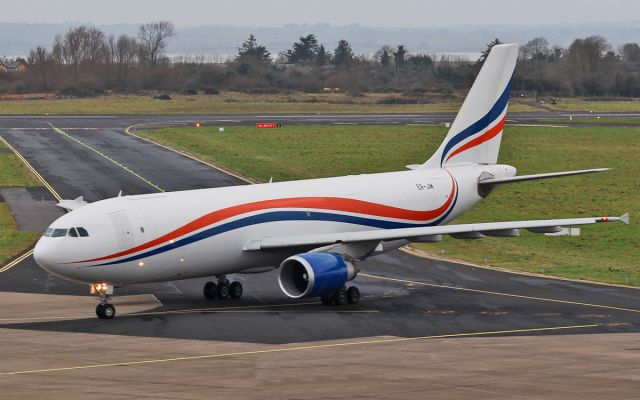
{"points": [[607, 252], [13, 174], [236, 103]]}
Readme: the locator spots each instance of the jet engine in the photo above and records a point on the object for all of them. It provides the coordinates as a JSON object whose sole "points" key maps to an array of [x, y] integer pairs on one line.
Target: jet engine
{"points": [[314, 274]]}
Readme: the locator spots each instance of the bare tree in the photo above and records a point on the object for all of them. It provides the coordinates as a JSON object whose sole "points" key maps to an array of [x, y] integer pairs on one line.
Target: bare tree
{"points": [[73, 48], [536, 48], [126, 54], [153, 39], [40, 64], [95, 48]]}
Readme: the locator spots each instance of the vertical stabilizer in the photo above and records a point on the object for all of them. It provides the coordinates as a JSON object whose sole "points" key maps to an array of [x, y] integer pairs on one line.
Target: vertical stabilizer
{"points": [[476, 133]]}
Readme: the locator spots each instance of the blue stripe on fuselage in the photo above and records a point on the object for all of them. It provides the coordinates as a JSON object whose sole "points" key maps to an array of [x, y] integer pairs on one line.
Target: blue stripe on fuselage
{"points": [[277, 216]]}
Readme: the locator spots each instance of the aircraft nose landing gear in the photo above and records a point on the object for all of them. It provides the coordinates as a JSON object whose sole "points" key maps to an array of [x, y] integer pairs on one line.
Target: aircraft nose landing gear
{"points": [[223, 290], [104, 310]]}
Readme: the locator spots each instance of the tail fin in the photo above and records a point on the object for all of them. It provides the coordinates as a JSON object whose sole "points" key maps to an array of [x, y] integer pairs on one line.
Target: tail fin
{"points": [[476, 133]]}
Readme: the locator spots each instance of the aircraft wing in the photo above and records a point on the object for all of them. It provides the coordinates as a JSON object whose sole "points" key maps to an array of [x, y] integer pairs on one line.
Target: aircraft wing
{"points": [[461, 231]]}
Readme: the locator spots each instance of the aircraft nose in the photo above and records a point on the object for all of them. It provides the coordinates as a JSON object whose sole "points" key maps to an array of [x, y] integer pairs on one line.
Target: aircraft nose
{"points": [[41, 254], [44, 253]]}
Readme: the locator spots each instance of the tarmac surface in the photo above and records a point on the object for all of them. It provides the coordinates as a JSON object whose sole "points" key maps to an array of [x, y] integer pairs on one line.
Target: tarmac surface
{"points": [[505, 335]]}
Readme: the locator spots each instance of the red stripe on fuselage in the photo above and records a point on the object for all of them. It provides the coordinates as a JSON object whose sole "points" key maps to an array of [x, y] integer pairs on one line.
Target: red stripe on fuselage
{"points": [[488, 135], [324, 203]]}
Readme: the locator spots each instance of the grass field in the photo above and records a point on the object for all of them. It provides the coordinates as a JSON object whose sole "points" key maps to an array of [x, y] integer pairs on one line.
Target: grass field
{"points": [[233, 103], [587, 105], [13, 174], [607, 253]]}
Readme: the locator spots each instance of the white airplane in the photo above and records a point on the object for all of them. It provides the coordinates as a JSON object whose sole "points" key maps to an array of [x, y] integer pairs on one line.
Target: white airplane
{"points": [[315, 231]]}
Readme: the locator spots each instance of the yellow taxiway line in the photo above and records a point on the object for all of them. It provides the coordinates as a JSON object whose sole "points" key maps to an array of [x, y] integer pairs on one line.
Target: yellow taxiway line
{"points": [[300, 348], [33, 170], [519, 296], [16, 261], [106, 157], [46, 184], [182, 153]]}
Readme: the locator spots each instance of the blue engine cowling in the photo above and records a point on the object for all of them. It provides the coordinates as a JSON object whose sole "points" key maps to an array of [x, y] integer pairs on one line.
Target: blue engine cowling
{"points": [[314, 274]]}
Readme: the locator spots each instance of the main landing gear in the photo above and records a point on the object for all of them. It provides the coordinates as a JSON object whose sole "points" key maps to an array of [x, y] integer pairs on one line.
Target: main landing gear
{"points": [[222, 290], [341, 296], [104, 310]]}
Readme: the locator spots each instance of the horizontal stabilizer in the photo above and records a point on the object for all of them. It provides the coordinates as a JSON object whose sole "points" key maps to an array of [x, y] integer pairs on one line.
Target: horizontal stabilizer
{"points": [[498, 181]]}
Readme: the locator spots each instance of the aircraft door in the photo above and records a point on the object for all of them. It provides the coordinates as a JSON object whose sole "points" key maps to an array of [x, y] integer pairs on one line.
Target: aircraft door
{"points": [[122, 226]]}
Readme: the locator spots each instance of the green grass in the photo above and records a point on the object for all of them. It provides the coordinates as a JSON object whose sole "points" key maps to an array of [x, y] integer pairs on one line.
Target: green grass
{"points": [[12, 240], [606, 253], [587, 105], [13, 174], [229, 103]]}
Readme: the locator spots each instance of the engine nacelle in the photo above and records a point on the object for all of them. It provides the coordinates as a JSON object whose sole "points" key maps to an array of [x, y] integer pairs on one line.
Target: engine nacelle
{"points": [[314, 274]]}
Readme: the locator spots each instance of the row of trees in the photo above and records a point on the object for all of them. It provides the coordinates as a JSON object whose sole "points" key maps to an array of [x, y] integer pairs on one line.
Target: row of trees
{"points": [[84, 61]]}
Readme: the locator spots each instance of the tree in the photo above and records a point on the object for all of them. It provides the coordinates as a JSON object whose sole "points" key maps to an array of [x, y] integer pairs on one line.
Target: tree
{"points": [[322, 57], [421, 60], [630, 53], [383, 55], [40, 63], [153, 40], [485, 53], [73, 48], [536, 48], [343, 55], [303, 51], [399, 56], [583, 61], [251, 51], [126, 54]]}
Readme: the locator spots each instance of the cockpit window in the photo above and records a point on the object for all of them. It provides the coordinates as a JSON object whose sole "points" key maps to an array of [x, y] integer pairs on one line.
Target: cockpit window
{"points": [[83, 232], [73, 232], [48, 232], [59, 233]]}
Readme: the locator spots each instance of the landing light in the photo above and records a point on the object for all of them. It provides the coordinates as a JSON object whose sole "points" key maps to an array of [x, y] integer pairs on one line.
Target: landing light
{"points": [[198, 124], [141, 264]]}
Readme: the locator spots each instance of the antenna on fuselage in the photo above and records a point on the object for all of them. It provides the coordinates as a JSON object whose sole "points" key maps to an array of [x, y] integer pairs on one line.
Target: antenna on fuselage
{"points": [[120, 193]]}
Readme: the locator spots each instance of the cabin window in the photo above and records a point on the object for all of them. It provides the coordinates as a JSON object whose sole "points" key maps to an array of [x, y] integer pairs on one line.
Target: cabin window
{"points": [[83, 232], [59, 233], [73, 232]]}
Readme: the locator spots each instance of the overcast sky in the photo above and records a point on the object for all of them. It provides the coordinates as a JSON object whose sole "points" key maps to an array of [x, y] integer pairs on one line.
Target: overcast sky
{"points": [[395, 13]]}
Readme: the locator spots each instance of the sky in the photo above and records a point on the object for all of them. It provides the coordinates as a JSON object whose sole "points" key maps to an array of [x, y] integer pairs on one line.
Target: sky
{"points": [[275, 13]]}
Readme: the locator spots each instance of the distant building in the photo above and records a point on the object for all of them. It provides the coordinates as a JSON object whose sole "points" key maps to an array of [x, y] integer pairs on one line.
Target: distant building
{"points": [[13, 67]]}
